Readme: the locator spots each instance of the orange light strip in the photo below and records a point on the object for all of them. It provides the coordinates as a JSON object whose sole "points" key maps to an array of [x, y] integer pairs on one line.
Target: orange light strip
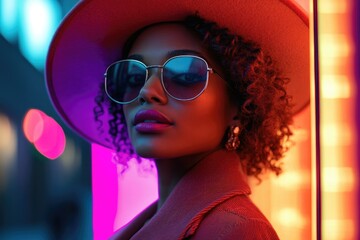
{"points": [[337, 121]]}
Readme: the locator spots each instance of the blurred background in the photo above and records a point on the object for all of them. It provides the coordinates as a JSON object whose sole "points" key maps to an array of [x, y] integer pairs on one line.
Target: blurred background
{"points": [[46, 178], [42, 195]]}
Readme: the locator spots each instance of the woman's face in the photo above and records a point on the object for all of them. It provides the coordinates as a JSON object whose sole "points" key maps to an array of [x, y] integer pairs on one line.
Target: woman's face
{"points": [[162, 127]]}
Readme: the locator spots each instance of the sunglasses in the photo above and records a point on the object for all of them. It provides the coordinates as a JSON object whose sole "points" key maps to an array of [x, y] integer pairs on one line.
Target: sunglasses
{"points": [[183, 77]]}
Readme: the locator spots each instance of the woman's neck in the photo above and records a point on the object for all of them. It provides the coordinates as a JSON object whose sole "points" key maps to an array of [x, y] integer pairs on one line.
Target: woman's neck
{"points": [[170, 171]]}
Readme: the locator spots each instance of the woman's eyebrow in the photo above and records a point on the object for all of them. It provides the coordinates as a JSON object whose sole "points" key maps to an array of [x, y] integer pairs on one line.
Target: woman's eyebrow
{"points": [[136, 57], [170, 54], [184, 52]]}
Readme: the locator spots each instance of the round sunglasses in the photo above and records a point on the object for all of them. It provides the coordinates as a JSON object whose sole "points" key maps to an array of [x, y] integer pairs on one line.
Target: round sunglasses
{"points": [[183, 77]]}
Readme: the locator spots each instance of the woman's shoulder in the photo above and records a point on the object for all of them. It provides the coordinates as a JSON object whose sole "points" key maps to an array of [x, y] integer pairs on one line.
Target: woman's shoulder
{"points": [[235, 218]]}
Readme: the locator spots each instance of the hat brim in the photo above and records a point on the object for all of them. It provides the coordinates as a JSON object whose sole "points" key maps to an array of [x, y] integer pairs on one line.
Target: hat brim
{"points": [[92, 35]]}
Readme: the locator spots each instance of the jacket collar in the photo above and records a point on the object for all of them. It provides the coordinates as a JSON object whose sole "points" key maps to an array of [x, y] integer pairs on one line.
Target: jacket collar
{"points": [[213, 180]]}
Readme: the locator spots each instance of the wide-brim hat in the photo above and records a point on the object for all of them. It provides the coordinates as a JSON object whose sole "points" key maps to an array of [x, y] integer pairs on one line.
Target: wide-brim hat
{"points": [[92, 35]]}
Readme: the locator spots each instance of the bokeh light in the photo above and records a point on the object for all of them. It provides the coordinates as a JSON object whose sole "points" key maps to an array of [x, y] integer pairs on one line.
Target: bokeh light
{"points": [[338, 126], [8, 19], [38, 23], [33, 124], [45, 133], [8, 149], [51, 142], [291, 217]]}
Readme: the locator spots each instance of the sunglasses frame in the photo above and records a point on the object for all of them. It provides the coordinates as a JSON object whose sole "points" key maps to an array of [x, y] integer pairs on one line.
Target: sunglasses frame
{"points": [[209, 69]]}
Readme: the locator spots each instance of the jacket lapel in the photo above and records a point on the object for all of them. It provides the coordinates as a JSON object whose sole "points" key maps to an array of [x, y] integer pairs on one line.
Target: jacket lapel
{"points": [[216, 178]]}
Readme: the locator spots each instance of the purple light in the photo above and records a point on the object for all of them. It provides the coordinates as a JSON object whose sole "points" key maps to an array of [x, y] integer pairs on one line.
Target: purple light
{"points": [[104, 190], [117, 198], [136, 191]]}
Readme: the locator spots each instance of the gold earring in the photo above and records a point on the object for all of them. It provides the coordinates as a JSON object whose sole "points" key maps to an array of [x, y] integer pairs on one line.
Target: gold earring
{"points": [[233, 141]]}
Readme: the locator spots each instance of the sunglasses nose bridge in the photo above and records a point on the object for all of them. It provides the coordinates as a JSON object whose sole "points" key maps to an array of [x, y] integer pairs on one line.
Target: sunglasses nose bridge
{"points": [[152, 72], [154, 69], [153, 88]]}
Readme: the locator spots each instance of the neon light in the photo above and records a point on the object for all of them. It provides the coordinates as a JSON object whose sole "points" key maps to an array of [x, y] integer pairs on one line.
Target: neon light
{"points": [[335, 86], [37, 26], [335, 229], [333, 6], [104, 192], [8, 19], [338, 179], [333, 46], [117, 197], [136, 190], [52, 141], [33, 125], [45, 133], [336, 134], [338, 124], [291, 217]]}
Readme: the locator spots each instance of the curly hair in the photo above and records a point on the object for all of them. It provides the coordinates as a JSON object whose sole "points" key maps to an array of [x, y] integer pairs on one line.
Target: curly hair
{"points": [[255, 85], [117, 128]]}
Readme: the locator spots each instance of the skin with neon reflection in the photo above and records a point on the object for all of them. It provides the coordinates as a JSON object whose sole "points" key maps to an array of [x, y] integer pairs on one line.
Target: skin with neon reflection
{"points": [[198, 126]]}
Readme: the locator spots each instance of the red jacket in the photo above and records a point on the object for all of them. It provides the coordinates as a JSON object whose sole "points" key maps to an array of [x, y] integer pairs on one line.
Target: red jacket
{"points": [[210, 202]]}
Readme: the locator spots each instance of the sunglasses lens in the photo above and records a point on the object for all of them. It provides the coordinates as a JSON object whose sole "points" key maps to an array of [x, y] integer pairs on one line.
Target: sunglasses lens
{"points": [[185, 77], [124, 80]]}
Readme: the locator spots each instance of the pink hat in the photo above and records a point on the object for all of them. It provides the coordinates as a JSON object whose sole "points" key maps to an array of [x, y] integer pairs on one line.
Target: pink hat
{"points": [[92, 35]]}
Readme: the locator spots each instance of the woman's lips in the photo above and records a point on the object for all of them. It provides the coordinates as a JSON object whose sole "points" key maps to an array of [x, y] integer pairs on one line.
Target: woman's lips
{"points": [[151, 121]]}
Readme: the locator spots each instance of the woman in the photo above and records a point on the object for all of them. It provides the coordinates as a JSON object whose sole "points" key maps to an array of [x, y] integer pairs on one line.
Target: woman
{"points": [[208, 106]]}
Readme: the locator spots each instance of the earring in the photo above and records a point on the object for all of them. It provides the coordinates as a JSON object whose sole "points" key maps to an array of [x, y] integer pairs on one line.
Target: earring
{"points": [[233, 141]]}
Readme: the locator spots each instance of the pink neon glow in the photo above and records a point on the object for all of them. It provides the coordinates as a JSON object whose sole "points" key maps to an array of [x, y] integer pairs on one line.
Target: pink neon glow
{"points": [[33, 124], [136, 191], [117, 198], [52, 141], [104, 190], [45, 133]]}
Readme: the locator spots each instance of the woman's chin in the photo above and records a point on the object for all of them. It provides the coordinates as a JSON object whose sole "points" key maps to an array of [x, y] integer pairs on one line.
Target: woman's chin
{"points": [[152, 153]]}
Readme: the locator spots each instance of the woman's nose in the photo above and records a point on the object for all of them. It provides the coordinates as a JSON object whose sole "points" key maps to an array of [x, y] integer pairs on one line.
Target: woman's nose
{"points": [[153, 91]]}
